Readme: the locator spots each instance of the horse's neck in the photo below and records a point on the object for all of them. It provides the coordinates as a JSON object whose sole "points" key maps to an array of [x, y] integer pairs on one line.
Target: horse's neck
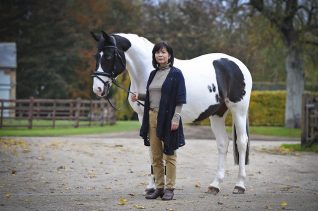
{"points": [[139, 61]]}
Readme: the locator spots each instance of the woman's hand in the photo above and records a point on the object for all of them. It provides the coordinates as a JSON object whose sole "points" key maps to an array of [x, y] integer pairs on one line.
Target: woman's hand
{"points": [[174, 125], [175, 121], [134, 97]]}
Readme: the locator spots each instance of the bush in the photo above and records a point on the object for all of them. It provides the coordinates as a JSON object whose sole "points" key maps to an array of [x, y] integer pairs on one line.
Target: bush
{"points": [[267, 108]]}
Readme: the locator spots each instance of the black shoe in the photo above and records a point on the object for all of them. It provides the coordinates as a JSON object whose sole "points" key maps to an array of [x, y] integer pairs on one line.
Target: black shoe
{"points": [[149, 191], [168, 195], [158, 192]]}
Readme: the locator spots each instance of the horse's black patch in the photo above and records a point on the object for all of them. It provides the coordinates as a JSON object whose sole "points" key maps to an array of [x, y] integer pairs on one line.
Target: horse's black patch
{"points": [[218, 109], [122, 42], [217, 98], [210, 88], [230, 80], [230, 84]]}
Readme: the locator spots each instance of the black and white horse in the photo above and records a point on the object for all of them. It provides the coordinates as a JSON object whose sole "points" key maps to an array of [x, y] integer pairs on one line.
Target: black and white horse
{"points": [[216, 83]]}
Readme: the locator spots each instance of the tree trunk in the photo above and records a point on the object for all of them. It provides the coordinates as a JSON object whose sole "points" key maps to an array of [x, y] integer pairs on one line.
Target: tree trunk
{"points": [[294, 87]]}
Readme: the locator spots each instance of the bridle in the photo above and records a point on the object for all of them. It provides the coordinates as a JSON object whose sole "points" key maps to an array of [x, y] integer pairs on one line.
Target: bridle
{"points": [[112, 75]]}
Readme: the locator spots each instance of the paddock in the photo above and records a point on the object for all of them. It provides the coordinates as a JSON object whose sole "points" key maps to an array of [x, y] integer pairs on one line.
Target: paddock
{"points": [[108, 172]]}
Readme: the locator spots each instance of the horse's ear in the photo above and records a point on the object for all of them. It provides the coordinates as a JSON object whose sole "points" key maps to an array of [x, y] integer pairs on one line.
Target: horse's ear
{"points": [[94, 36], [107, 38], [105, 35]]}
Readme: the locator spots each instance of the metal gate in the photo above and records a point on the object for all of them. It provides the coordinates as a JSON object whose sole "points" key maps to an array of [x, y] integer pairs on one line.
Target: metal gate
{"points": [[309, 126]]}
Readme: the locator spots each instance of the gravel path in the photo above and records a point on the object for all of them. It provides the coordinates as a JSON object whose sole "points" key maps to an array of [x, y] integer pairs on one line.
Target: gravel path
{"points": [[109, 172]]}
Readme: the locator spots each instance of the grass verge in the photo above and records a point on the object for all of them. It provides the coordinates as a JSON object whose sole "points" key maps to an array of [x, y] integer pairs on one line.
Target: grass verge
{"points": [[289, 148], [272, 131], [120, 126], [65, 128]]}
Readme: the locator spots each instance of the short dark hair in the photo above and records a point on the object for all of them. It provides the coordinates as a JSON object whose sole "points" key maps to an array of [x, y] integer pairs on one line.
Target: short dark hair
{"points": [[158, 47]]}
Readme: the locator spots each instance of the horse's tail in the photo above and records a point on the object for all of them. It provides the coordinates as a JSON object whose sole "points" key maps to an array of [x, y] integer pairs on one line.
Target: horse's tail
{"points": [[235, 149]]}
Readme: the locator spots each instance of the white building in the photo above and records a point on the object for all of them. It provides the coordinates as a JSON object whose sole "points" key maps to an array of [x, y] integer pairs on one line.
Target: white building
{"points": [[8, 65]]}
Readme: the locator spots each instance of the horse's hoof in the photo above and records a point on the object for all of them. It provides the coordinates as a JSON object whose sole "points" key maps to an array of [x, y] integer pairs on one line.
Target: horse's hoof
{"points": [[213, 190], [238, 190], [149, 191]]}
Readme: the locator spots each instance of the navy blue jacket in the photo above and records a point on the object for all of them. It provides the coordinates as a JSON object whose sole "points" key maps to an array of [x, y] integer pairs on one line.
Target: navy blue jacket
{"points": [[173, 93]]}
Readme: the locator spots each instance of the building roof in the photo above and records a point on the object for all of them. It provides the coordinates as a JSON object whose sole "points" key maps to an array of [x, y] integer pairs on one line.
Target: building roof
{"points": [[8, 55]]}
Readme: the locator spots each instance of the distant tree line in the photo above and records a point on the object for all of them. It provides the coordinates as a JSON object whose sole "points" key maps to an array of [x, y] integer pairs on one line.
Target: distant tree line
{"points": [[55, 48]]}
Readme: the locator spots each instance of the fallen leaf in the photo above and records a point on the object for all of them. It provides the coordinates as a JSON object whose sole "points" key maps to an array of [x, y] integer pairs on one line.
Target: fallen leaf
{"points": [[283, 204], [92, 174], [61, 167], [122, 201], [137, 206], [118, 145], [8, 195], [268, 207], [197, 185], [40, 158]]}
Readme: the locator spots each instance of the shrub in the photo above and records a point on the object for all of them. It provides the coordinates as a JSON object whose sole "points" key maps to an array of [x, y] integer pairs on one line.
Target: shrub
{"points": [[267, 108]]}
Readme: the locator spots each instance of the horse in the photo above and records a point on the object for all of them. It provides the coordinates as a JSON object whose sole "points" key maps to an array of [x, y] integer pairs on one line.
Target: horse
{"points": [[215, 83]]}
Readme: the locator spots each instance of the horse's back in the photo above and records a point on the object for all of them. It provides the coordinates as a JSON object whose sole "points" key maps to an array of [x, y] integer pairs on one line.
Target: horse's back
{"points": [[204, 77]]}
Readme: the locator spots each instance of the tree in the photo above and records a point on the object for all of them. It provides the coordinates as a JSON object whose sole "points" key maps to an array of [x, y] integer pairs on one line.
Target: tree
{"points": [[297, 22]]}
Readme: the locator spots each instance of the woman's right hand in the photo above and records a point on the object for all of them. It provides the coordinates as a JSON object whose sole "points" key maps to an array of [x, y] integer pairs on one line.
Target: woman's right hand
{"points": [[134, 97]]}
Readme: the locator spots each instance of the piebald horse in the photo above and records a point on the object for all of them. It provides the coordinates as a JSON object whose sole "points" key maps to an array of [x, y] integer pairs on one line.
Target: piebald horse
{"points": [[216, 83]]}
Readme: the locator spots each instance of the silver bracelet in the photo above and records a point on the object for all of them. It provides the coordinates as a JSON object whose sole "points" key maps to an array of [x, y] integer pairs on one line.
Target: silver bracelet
{"points": [[178, 114]]}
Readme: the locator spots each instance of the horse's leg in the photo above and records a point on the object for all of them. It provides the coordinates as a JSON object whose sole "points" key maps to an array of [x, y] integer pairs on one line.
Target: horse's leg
{"points": [[222, 141], [151, 181], [239, 115]]}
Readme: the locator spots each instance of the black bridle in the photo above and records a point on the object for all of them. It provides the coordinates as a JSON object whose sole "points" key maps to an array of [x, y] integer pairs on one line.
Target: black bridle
{"points": [[113, 74]]}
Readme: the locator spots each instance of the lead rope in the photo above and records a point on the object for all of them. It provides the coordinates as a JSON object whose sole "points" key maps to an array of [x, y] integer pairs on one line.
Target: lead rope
{"points": [[126, 90]]}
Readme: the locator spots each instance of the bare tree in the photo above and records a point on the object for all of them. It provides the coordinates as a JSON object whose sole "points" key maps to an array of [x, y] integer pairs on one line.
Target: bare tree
{"points": [[297, 21]]}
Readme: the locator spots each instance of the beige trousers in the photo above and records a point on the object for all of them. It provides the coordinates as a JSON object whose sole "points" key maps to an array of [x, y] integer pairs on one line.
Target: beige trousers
{"points": [[158, 157]]}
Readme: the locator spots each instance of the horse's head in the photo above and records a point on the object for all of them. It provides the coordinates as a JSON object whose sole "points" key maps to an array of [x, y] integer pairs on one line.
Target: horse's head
{"points": [[110, 61]]}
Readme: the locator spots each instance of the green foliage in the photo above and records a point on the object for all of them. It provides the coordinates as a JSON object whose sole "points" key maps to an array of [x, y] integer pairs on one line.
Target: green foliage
{"points": [[267, 108], [55, 48]]}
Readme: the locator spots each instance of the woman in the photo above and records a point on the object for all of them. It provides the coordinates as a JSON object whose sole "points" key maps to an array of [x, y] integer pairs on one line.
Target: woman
{"points": [[162, 126]]}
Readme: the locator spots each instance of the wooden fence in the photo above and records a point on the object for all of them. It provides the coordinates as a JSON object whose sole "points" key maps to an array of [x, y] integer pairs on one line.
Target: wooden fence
{"points": [[309, 126], [79, 112]]}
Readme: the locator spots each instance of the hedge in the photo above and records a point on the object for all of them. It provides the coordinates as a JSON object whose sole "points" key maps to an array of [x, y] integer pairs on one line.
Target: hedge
{"points": [[267, 108]]}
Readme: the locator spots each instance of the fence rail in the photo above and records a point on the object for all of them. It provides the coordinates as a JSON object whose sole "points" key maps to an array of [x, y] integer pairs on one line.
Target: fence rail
{"points": [[309, 120], [78, 111]]}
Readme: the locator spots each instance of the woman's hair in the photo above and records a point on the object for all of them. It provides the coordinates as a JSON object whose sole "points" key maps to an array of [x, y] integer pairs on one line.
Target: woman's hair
{"points": [[157, 48]]}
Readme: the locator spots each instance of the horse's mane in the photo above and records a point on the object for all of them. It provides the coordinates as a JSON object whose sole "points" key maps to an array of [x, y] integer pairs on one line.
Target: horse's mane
{"points": [[136, 37]]}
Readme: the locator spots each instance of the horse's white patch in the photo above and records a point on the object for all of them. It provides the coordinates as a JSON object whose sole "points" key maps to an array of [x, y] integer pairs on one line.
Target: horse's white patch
{"points": [[98, 86]]}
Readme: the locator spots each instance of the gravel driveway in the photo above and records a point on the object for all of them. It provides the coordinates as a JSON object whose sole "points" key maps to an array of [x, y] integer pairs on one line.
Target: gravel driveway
{"points": [[109, 172]]}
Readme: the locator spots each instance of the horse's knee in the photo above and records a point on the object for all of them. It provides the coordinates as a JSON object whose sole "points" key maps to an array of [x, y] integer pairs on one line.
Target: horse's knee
{"points": [[222, 147], [242, 143]]}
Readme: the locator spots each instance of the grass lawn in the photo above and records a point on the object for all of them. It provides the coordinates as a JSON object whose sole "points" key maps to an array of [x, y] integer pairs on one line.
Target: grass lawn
{"points": [[120, 126], [65, 128], [272, 131]]}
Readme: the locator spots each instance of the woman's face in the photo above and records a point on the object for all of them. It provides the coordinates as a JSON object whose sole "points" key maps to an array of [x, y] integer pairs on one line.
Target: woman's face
{"points": [[162, 56]]}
